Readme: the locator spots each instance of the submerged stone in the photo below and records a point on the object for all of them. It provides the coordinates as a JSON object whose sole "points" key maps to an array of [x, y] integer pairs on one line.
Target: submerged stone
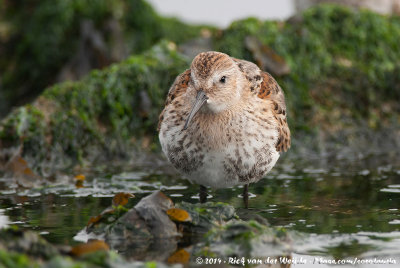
{"points": [[245, 239], [153, 209], [146, 232], [207, 215], [26, 249], [143, 232], [26, 242]]}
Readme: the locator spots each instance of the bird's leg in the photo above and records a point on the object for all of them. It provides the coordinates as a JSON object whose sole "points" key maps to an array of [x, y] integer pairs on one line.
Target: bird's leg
{"points": [[246, 195], [203, 194]]}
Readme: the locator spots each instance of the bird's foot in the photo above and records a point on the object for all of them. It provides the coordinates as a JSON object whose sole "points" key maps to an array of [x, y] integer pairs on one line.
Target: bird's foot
{"points": [[246, 195], [203, 194]]}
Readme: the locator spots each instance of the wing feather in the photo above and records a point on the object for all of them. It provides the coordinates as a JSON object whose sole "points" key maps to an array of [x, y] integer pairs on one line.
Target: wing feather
{"points": [[265, 87], [270, 89], [178, 88]]}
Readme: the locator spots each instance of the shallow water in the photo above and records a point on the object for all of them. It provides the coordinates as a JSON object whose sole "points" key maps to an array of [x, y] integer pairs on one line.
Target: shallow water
{"points": [[342, 209]]}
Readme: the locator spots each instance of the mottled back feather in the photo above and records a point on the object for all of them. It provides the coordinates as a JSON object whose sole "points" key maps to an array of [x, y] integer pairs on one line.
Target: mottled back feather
{"points": [[265, 87], [271, 90], [178, 88]]}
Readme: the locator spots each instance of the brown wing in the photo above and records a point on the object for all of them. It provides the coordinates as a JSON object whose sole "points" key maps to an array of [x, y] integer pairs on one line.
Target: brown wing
{"points": [[270, 89], [178, 88], [265, 86]]}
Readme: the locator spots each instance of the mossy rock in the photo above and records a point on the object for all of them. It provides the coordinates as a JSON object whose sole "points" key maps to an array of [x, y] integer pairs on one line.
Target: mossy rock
{"points": [[27, 242], [41, 39], [207, 215], [214, 230], [107, 114], [248, 239], [27, 249]]}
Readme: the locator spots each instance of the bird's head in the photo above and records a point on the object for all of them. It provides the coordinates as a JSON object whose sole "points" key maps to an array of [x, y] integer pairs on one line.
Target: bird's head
{"points": [[217, 81]]}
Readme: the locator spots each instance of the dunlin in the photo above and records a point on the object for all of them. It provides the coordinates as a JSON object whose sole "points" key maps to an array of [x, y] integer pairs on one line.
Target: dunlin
{"points": [[224, 123]]}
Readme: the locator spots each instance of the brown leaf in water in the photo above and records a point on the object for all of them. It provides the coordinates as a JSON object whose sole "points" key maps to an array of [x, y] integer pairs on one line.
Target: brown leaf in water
{"points": [[180, 256], [97, 219], [89, 247], [179, 215], [18, 168], [79, 180], [121, 199], [80, 177], [94, 220]]}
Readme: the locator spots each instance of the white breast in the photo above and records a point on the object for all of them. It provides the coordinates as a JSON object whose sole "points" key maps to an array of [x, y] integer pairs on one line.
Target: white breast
{"points": [[246, 158]]}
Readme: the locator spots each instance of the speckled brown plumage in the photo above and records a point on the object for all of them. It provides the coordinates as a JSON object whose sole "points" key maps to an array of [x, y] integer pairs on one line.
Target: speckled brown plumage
{"points": [[224, 122], [178, 88]]}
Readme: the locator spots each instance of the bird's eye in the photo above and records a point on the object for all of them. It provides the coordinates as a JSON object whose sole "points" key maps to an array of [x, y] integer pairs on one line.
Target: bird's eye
{"points": [[223, 79]]}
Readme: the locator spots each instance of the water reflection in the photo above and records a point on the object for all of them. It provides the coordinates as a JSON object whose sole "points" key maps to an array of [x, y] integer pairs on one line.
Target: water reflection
{"points": [[339, 209], [4, 221], [392, 189]]}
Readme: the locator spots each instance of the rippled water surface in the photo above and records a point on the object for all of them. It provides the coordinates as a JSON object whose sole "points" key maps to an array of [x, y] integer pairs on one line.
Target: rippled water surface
{"points": [[336, 209]]}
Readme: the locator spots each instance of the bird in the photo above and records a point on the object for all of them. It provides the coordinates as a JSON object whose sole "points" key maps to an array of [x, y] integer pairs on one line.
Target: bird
{"points": [[224, 123]]}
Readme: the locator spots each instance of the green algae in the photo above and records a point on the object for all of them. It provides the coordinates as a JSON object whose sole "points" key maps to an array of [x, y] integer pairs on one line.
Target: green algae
{"points": [[239, 238], [111, 259], [207, 215], [104, 113], [26, 249], [41, 37], [11, 259]]}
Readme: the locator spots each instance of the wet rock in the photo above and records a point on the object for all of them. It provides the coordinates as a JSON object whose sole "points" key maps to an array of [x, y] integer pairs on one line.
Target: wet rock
{"points": [[242, 240], [145, 232], [212, 229], [99, 118], [198, 45], [207, 215], [379, 6], [26, 242], [148, 224], [153, 210], [28, 249], [148, 219], [248, 215], [267, 59]]}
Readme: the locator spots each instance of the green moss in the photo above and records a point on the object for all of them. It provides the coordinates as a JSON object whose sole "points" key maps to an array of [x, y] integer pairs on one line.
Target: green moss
{"points": [[146, 27], [244, 239], [25, 126], [43, 36], [27, 249], [10, 259], [151, 264], [101, 114]]}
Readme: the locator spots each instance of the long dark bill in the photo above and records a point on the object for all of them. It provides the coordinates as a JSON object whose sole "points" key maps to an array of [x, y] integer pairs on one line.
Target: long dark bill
{"points": [[201, 98]]}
